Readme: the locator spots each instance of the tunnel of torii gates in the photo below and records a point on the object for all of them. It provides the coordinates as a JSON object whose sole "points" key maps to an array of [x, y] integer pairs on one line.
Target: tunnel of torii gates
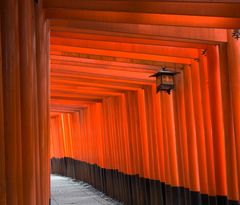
{"points": [[75, 88]]}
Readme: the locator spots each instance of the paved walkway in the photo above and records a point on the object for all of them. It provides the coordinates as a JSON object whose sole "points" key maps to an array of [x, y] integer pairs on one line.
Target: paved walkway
{"points": [[66, 191]]}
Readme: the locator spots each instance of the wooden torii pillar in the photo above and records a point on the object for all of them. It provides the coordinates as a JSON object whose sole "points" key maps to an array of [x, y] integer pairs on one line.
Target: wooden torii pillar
{"points": [[24, 140]]}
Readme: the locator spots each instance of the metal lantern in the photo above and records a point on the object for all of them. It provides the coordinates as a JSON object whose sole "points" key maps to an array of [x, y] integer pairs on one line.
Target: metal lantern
{"points": [[165, 80]]}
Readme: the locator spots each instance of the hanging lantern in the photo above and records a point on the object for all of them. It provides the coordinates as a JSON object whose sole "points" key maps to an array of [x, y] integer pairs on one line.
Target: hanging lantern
{"points": [[165, 80]]}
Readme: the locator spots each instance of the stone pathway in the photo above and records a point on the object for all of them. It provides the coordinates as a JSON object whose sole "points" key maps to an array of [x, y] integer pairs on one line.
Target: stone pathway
{"points": [[66, 191]]}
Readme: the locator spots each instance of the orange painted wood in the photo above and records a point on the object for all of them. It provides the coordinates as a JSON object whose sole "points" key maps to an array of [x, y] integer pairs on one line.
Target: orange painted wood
{"points": [[27, 157], [234, 75], [199, 126], [230, 142], [42, 76], [86, 34], [13, 146], [191, 131], [171, 139], [181, 139], [143, 18], [204, 79], [120, 54], [127, 47], [104, 107], [2, 140], [180, 8], [28, 129], [217, 120], [135, 128]]}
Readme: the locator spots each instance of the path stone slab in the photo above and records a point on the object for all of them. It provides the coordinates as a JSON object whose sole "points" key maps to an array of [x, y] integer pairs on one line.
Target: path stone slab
{"points": [[65, 191]]}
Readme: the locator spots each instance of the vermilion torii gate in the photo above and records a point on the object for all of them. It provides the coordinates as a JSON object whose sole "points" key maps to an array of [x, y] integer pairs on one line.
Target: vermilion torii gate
{"points": [[88, 63]]}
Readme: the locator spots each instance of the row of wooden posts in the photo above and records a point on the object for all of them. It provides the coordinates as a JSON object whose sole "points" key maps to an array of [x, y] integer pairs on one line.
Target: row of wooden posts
{"points": [[186, 139]]}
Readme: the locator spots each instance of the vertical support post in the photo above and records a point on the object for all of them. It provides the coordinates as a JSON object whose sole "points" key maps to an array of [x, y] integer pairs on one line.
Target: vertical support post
{"points": [[2, 141], [234, 79], [230, 145], [24, 97], [217, 120], [183, 144], [204, 83], [199, 126], [28, 70], [191, 138], [42, 104], [11, 100]]}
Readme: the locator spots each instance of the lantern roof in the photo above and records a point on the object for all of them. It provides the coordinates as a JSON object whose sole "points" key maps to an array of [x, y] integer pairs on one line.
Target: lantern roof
{"points": [[164, 71]]}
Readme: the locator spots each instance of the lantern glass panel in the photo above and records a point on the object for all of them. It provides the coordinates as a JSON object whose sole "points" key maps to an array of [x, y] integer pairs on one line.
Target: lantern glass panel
{"points": [[167, 79], [158, 81]]}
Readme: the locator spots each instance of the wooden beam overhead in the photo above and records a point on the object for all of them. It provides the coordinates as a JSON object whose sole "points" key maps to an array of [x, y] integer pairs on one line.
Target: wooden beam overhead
{"points": [[109, 60], [222, 9], [110, 67], [160, 32], [97, 78], [92, 81], [144, 18], [80, 34], [103, 85], [127, 47], [118, 54], [104, 72], [191, 43]]}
